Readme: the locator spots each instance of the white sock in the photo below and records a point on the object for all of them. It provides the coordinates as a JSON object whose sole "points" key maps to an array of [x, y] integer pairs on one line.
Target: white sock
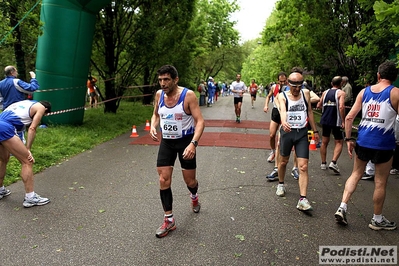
{"points": [[169, 216], [29, 195], [344, 206], [2, 188], [377, 218], [193, 197]]}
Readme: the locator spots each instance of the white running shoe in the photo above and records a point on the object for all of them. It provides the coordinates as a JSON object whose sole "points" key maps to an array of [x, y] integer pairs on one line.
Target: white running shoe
{"points": [[280, 190], [271, 157]]}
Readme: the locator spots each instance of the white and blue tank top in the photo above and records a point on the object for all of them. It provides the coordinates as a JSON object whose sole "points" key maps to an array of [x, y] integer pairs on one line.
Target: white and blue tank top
{"points": [[175, 123], [297, 111], [18, 114], [377, 127]]}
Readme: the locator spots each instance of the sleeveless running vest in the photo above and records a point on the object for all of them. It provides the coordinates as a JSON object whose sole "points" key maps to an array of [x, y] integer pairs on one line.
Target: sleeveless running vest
{"points": [[18, 114], [376, 129], [253, 88], [174, 121], [330, 109], [277, 90], [297, 111]]}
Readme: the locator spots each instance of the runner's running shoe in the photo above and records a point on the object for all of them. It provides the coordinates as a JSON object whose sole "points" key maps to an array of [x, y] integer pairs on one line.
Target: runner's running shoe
{"points": [[280, 190], [340, 216], [366, 176], [304, 205], [334, 167], [195, 205], [4, 193], [36, 200], [383, 225], [295, 173], [165, 228], [271, 157], [273, 175]]}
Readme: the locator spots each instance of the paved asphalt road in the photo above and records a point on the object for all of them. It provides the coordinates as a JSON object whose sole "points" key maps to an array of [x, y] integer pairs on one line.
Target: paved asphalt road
{"points": [[105, 208]]}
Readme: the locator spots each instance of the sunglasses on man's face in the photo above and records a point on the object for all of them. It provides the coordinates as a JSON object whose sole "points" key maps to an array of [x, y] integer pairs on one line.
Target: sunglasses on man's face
{"points": [[295, 84]]}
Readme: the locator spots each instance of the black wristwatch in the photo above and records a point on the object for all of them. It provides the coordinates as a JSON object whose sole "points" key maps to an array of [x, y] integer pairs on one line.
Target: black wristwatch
{"points": [[195, 143], [349, 139]]}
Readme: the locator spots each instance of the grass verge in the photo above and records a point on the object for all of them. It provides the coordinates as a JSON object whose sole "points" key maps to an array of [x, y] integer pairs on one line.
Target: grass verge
{"points": [[55, 144]]}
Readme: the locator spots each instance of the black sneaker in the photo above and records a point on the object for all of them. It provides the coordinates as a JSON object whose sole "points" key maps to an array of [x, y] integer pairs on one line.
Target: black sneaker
{"points": [[273, 175], [383, 225], [367, 176], [340, 216]]}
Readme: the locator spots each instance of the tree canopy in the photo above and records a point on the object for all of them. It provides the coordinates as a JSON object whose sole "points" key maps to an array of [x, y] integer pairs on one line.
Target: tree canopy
{"points": [[135, 37], [326, 38]]}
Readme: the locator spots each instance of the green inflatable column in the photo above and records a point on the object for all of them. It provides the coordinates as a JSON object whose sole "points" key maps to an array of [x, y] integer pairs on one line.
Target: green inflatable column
{"points": [[63, 56]]}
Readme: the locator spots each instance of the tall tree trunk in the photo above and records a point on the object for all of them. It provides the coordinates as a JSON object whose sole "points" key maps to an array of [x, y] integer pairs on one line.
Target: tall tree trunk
{"points": [[108, 33], [18, 51], [147, 90]]}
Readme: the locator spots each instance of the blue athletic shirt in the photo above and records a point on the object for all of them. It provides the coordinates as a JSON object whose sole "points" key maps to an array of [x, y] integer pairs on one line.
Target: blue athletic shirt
{"points": [[331, 116], [13, 89], [376, 129]]}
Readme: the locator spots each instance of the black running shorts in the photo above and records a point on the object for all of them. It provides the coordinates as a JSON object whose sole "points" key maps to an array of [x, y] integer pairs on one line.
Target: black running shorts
{"points": [[373, 155], [336, 131], [237, 100], [297, 138], [169, 149], [276, 115]]}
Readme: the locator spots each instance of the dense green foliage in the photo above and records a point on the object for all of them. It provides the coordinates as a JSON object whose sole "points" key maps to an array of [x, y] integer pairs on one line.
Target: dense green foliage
{"points": [[133, 38], [326, 38], [18, 43]]}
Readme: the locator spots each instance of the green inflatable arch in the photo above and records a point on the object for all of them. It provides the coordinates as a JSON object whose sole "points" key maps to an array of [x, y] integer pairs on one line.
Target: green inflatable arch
{"points": [[63, 56]]}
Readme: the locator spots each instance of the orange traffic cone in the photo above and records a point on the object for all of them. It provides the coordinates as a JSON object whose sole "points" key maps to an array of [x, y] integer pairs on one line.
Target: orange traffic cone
{"points": [[147, 126], [312, 145], [134, 133]]}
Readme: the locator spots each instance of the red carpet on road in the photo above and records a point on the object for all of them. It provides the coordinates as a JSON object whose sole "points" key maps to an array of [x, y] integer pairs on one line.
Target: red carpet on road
{"points": [[225, 139], [243, 124]]}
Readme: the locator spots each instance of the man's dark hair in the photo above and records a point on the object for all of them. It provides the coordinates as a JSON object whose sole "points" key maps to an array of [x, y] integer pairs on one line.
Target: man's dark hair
{"points": [[388, 71], [168, 69], [47, 105], [336, 81], [297, 70], [281, 74]]}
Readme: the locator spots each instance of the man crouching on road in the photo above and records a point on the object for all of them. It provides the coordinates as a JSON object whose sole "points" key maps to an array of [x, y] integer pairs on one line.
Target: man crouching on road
{"points": [[14, 118]]}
